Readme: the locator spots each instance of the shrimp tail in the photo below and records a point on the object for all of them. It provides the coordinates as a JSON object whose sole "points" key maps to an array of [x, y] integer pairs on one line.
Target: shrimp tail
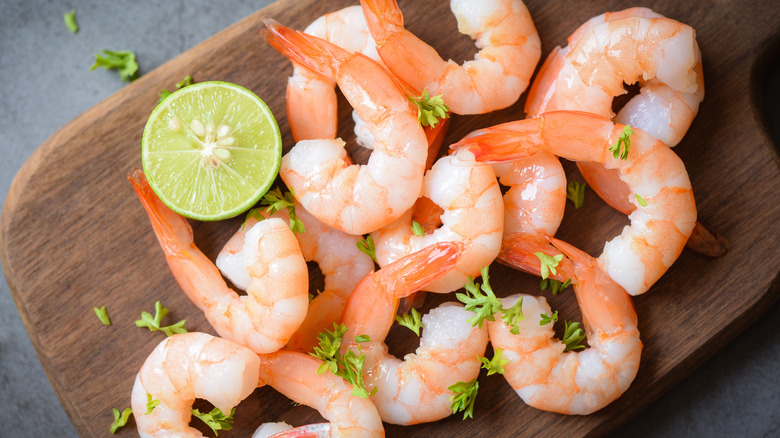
{"points": [[383, 17], [435, 135], [172, 230], [317, 430], [501, 143], [313, 53], [413, 272], [519, 251]]}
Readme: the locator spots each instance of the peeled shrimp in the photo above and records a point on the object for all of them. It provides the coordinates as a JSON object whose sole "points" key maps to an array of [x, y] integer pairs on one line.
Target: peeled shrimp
{"points": [[356, 199], [629, 46], [187, 366], [414, 390], [653, 174], [295, 375], [472, 214], [277, 294], [509, 51], [574, 382], [341, 262]]}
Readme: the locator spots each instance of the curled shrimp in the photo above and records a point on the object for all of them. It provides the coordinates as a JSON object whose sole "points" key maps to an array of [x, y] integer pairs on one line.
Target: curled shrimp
{"points": [[342, 264], [184, 367], [573, 382], [472, 213], [509, 51], [295, 375], [414, 390], [661, 191], [277, 294], [356, 199], [627, 46]]}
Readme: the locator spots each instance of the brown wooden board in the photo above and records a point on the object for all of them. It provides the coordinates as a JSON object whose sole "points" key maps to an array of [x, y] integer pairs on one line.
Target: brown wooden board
{"points": [[75, 236]]}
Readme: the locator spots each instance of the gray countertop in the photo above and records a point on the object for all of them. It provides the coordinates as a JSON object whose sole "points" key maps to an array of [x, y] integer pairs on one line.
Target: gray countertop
{"points": [[45, 82]]}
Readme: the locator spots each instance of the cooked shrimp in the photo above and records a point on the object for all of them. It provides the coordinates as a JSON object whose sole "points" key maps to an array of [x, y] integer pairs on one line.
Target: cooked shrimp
{"points": [[295, 375], [472, 214], [414, 390], [277, 294], [656, 178], [341, 262], [187, 366], [356, 199], [509, 51], [574, 382], [628, 46]]}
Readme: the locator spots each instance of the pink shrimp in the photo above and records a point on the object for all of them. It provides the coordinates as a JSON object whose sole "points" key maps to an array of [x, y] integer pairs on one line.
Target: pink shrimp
{"points": [[575, 382], [509, 51], [277, 295], [665, 213], [356, 199]]}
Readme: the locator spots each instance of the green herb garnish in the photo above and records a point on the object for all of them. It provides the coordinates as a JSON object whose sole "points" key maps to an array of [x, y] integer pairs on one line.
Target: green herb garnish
{"points": [[495, 365], [640, 200], [120, 419], [430, 109], [512, 315], [417, 229], [625, 141], [181, 84], [151, 403], [348, 366], [575, 192], [122, 61], [102, 314], [572, 336], [411, 320], [70, 21], [465, 394], [549, 263], [484, 305], [153, 323], [547, 319], [554, 285], [215, 419], [366, 246]]}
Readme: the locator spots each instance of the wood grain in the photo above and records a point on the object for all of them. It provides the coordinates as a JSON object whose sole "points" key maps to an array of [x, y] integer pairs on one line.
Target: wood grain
{"points": [[74, 236]]}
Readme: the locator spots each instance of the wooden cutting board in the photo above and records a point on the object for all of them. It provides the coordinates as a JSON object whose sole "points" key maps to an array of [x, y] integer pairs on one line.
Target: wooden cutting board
{"points": [[74, 235]]}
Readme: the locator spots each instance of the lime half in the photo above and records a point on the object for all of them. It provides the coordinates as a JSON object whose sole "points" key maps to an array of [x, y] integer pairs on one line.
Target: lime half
{"points": [[211, 150]]}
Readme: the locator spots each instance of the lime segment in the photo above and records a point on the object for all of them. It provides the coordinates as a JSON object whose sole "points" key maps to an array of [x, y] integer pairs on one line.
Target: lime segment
{"points": [[211, 150]]}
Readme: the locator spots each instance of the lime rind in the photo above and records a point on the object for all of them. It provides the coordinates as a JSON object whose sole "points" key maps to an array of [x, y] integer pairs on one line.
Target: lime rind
{"points": [[223, 171]]}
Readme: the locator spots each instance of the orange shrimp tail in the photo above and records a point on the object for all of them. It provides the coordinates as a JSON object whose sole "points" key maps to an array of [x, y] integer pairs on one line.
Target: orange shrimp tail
{"points": [[311, 52], [435, 135], [518, 251], [172, 230], [501, 143], [414, 271], [383, 17]]}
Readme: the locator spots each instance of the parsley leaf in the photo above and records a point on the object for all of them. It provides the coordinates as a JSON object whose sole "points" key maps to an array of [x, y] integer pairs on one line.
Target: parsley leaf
{"points": [[417, 229], [215, 419], [366, 246], [412, 321], [122, 61], [70, 21], [348, 366], [153, 324], [549, 263], [465, 394], [625, 141], [572, 336], [555, 285], [640, 200], [181, 84], [275, 201], [120, 420], [430, 109], [151, 403], [495, 365], [483, 305], [575, 192], [512, 315], [102, 314], [547, 319]]}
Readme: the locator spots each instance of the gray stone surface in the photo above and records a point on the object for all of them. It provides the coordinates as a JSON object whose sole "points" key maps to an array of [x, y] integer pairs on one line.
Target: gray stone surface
{"points": [[45, 82]]}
